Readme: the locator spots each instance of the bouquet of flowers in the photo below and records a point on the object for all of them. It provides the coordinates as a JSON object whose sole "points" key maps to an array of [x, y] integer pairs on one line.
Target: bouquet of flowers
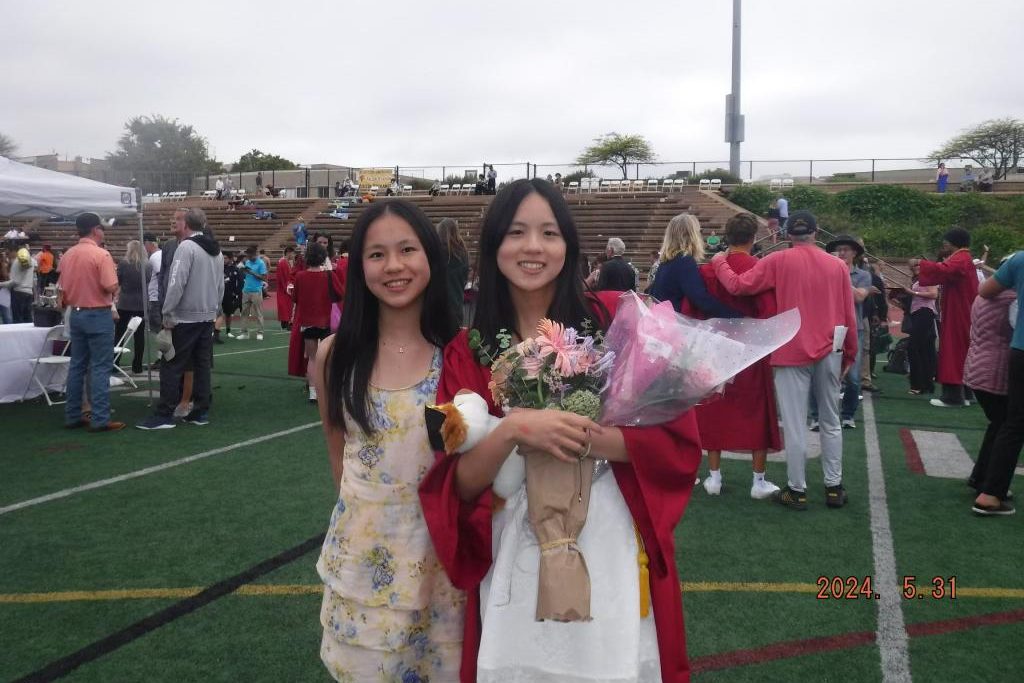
{"points": [[666, 362], [560, 369]]}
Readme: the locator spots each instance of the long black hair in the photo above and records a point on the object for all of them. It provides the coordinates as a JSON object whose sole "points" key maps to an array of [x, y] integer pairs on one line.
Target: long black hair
{"points": [[494, 309], [351, 360]]}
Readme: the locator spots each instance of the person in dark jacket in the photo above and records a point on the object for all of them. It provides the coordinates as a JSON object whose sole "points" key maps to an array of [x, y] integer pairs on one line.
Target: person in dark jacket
{"points": [[132, 274], [617, 274], [678, 278], [457, 267]]}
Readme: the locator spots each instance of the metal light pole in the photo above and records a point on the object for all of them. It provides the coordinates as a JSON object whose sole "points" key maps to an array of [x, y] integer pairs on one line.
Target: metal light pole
{"points": [[734, 123]]}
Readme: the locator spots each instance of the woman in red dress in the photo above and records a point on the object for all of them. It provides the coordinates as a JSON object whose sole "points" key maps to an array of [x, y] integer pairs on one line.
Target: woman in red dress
{"points": [[312, 292], [749, 400], [529, 248]]}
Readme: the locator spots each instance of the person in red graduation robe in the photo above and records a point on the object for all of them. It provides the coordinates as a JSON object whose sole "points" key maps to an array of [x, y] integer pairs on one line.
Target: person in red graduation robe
{"points": [[284, 276], [749, 400], [959, 279], [656, 484]]}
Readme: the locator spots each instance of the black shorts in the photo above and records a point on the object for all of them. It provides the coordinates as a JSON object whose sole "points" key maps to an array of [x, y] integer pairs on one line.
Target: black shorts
{"points": [[317, 333]]}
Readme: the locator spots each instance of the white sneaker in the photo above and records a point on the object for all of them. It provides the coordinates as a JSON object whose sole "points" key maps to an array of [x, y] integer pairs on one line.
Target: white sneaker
{"points": [[232, 335], [182, 412], [259, 336], [312, 394], [762, 489], [814, 426], [713, 486], [849, 424], [242, 335]]}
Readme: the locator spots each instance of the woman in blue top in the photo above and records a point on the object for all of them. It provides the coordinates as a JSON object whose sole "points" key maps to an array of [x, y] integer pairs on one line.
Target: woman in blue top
{"points": [[678, 277]]}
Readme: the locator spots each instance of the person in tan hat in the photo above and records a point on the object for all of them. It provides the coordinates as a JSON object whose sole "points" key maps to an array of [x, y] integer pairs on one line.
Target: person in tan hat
{"points": [[21, 282]]}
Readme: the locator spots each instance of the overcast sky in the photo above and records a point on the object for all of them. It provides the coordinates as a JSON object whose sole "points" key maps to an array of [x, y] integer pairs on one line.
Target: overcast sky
{"points": [[457, 83]]}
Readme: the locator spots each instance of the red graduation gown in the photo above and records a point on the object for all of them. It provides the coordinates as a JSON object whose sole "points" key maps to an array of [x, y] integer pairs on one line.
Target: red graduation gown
{"points": [[296, 347], [744, 417], [959, 279], [284, 299], [656, 485]]}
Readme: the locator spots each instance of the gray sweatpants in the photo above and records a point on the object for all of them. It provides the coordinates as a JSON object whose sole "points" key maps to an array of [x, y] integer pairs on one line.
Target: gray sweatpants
{"points": [[792, 387]]}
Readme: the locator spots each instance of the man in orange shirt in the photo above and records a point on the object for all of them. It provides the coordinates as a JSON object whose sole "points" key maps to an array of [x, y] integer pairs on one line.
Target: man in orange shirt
{"points": [[88, 282], [44, 268]]}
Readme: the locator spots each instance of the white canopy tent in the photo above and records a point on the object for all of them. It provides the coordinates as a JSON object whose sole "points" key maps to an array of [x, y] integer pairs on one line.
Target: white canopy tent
{"points": [[31, 192]]}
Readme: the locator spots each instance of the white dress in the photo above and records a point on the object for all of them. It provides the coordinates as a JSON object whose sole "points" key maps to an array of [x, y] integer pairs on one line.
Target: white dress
{"points": [[616, 646]]}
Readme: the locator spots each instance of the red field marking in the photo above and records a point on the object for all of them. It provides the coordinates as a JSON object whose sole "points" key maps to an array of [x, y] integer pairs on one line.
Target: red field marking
{"points": [[845, 641], [914, 463], [784, 650]]}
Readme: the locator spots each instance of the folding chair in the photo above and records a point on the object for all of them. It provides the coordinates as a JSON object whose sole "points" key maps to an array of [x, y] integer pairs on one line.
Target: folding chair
{"points": [[716, 184], [680, 183], [574, 186], [121, 348], [612, 185], [49, 359], [705, 184], [775, 184], [638, 185], [652, 185], [787, 182], [443, 190], [406, 189]]}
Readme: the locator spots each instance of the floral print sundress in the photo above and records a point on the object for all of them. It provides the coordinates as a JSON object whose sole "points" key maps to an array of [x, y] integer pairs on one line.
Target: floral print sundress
{"points": [[389, 612]]}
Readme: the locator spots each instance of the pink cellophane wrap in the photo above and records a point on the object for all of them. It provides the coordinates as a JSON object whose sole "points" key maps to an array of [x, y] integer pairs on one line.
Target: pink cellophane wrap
{"points": [[666, 362]]}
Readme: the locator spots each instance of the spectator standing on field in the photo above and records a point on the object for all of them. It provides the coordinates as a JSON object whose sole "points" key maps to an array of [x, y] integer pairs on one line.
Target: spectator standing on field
{"points": [[132, 278], [88, 283], [255, 271], [617, 274], [195, 287], [818, 285]]}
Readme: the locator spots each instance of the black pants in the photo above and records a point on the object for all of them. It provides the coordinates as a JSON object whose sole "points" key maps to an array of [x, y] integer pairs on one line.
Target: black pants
{"points": [[193, 349], [994, 406], [953, 394], [921, 351], [21, 307], [1007, 444], [138, 339]]}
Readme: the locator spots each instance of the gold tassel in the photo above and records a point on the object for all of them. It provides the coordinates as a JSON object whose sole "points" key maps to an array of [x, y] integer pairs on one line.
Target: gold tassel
{"points": [[645, 575]]}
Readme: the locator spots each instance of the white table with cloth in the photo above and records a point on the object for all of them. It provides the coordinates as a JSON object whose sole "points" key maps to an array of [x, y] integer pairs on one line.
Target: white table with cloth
{"points": [[19, 343]]}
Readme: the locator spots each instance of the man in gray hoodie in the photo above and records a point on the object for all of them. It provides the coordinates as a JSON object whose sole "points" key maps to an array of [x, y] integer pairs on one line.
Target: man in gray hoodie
{"points": [[195, 287]]}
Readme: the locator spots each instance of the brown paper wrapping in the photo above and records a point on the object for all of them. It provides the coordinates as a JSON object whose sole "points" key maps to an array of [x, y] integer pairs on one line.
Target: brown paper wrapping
{"points": [[558, 497]]}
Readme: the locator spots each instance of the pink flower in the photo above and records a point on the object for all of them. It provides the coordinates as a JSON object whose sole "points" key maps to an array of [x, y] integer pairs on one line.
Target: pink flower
{"points": [[553, 339]]}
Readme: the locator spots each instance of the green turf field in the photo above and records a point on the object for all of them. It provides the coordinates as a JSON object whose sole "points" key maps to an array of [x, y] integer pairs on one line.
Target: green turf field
{"points": [[182, 573]]}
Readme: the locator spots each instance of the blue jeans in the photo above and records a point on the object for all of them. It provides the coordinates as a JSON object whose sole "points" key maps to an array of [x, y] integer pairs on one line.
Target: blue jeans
{"points": [[92, 347], [5, 316], [850, 385]]}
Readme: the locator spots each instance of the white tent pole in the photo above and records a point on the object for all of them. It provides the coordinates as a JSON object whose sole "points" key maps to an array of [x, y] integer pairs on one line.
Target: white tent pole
{"points": [[145, 300]]}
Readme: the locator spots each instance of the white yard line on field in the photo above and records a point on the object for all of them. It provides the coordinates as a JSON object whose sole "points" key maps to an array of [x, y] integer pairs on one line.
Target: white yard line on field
{"points": [[64, 493]]}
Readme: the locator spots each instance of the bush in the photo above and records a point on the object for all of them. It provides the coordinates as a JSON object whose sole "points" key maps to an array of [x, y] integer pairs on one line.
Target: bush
{"points": [[1001, 239], [577, 176], [966, 210], [807, 198], [885, 203], [719, 173], [754, 198]]}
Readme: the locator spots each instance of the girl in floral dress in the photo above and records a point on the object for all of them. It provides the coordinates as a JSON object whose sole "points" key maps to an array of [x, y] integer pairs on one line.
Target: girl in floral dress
{"points": [[389, 612]]}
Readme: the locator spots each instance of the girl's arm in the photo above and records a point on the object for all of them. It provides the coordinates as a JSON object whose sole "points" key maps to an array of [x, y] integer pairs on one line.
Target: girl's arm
{"points": [[334, 434]]}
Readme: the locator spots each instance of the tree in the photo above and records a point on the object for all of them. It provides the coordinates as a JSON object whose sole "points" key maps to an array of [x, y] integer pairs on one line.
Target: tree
{"points": [[158, 145], [258, 161], [613, 149], [7, 146], [997, 144]]}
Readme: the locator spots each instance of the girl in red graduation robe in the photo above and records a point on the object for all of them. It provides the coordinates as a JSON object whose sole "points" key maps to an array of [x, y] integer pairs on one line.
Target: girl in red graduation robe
{"points": [[284, 275], [958, 276], [749, 400], [528, 271]]}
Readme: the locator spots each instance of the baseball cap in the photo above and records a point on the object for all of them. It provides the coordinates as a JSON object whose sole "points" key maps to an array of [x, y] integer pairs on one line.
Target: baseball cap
{"points": [[88, 220], [801, 223]]}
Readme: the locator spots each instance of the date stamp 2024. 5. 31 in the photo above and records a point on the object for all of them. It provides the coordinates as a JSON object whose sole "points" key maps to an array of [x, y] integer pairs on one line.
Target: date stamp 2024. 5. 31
{"points": [[862, 588]]}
